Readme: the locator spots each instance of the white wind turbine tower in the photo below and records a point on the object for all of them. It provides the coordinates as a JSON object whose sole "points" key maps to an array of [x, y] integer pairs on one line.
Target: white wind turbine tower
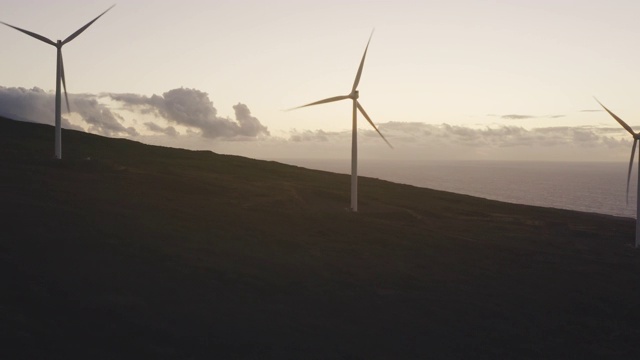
{"points": [[59, 75], [354, 132], [636, 138]]}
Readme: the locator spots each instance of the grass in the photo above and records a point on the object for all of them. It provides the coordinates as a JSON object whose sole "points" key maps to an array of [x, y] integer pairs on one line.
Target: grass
{"points": [[152, 252]]}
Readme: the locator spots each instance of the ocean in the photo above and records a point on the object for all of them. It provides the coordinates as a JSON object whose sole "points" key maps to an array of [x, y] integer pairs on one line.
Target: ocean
{"points": [[597, 187]]}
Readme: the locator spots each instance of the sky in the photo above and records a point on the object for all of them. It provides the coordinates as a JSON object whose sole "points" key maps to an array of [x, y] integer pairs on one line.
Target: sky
{"points": [[443, 80]]}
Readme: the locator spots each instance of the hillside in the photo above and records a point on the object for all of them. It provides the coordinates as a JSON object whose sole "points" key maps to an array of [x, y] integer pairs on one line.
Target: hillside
{"points": [[124, 250]]}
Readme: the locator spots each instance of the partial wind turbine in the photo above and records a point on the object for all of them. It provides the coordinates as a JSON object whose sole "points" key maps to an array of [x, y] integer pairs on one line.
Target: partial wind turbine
{"points": [[636, 138], [59, 75], [354, 132]]}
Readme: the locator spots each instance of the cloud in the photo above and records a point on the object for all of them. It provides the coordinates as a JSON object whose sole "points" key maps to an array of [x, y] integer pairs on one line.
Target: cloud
{"points": [[311, 135], [189, 108], [516, 117], [193, 109], [100, 119], [36, 105], [249, 125], [591, 110], [524, 117], [169, 130], [27, 104], [612, 130], [504, 136]]}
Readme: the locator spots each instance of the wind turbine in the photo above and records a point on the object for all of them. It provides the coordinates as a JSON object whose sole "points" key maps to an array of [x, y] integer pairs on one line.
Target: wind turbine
{"points": [[354, 132], [636, 138], [59, 75]]}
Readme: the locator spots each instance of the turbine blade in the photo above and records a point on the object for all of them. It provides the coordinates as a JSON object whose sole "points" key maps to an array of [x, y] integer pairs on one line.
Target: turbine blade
{"points": [[357, 80], [331, 99], [79, 31], [364, 113], [64, 83], [624, 124], [633, 151], [32, 34]]}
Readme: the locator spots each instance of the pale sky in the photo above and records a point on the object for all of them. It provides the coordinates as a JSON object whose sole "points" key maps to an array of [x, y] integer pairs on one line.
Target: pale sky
{"points": [[461, 79]]}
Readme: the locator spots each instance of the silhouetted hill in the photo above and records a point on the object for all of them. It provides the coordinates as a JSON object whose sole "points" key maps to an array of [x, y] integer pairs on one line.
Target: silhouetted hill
{"points": [[125, 250]]}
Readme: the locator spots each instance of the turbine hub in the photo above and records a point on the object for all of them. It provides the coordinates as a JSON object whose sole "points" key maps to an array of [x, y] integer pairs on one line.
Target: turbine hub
{"points": [[636, 136], [354, 95]]}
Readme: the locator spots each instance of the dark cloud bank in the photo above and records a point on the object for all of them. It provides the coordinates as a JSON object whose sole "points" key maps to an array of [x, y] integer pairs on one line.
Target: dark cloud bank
{"points": [[192, 108], [185, 107], [422, 134], [497, 136], [38, 106]]}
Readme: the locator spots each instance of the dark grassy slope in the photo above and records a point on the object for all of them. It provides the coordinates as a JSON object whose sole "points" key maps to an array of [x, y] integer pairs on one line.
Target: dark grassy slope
{"points": [[150, 252]]}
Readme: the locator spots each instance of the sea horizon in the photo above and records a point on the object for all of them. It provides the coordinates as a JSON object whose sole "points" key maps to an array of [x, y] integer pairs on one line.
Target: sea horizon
{"points": [[587, 186]]}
